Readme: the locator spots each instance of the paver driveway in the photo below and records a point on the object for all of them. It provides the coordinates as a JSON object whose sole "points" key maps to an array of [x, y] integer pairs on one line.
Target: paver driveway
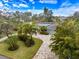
{"points": [[44, 51]]}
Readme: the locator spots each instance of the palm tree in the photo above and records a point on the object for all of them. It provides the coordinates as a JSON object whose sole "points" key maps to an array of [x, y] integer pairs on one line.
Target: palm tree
{"points": [[12, 42], [29, 29], [45, 11], [26, 31]]}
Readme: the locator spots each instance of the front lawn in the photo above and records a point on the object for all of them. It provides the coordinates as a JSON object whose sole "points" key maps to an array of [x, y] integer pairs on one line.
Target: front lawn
{"points": [[23, 52]]}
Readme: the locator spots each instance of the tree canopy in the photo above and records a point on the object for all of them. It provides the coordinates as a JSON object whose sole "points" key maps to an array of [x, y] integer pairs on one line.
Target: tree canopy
{"points": [[65, 40]]}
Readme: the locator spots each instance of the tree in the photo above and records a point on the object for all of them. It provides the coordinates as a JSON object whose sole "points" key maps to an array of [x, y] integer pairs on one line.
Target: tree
{"points": [[17, 16], [12, 42], [26, 31], [48, 15], [34, 17], [28, 13], [45, 12], [32, 29], [26, 16], [43, 30], [76, 14], [65, 40], [6, 28]]}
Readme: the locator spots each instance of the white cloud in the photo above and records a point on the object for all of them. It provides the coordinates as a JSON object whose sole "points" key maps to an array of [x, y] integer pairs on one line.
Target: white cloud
{"points": [[20, 5], [31, 0], [6, 8], [35, 11], [23, 1], [6, 4], [6, 0], [48, 1], [23, 5], [66, 4], [66, 11], [1, 4], [15, 5]]}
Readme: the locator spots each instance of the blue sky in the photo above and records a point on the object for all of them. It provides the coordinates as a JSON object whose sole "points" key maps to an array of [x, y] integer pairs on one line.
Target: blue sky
{"points": [[59, 7]]}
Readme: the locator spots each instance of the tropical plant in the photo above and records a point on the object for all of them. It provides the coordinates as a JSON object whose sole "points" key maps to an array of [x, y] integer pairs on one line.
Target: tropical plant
{"points": [[65, 40], [6, 28], [26, 31], [12, 42], [43, 30]]}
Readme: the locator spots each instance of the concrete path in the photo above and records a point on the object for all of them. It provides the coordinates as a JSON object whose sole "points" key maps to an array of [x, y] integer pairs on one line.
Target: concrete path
{"points": [[44, 51], [3, 57], [4, 38]]}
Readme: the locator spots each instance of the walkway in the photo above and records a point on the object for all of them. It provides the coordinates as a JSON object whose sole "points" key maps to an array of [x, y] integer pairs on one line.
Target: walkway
{"points": [[3, 57], [44, 51], [4, 38]]}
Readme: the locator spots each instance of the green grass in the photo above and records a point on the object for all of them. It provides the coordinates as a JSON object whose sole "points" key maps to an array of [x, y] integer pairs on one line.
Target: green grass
{"points": [[23, 52]]}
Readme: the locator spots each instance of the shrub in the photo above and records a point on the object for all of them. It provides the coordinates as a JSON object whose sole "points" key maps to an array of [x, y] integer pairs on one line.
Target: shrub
{"points": [[25, 32], [13, 48], [65, 41], [15, 29], [22, 37], [43, 28], [44, 33], [12, 42], [29, 43], [27, 40]]}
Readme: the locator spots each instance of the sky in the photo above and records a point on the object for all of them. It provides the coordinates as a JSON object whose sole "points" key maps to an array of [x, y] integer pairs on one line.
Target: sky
{"points": [[59, 7]]}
